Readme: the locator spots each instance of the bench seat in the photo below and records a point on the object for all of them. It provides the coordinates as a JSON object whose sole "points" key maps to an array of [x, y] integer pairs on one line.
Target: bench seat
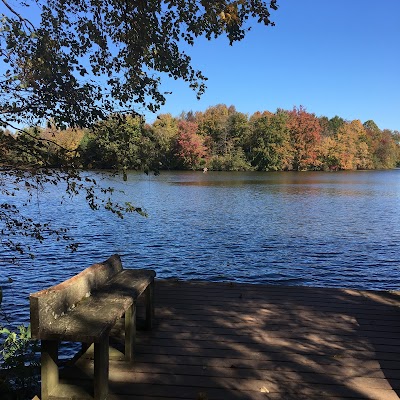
{"points": [[84, 309], [94, 316]]}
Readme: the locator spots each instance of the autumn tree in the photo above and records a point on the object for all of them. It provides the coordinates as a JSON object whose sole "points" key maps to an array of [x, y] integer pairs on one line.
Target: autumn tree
{"points": [[62, 144], [305, 136], [189, 116], [190, 150], [329, 157], [352, 147]]}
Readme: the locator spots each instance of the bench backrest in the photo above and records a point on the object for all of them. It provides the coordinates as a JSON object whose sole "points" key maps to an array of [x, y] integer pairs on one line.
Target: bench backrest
{"points": [[48, 304]]}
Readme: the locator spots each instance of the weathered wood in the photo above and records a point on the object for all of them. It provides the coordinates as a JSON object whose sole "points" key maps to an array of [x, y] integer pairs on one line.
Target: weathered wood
{"points": [[150, 306], [71, 392], [94, 316], [101, 369], [48, 305], [84, 309], [130, 282], [271, 343], [49, 367], [130, 332]]}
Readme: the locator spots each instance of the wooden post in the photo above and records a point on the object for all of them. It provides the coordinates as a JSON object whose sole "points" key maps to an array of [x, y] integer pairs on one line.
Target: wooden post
{"points": [[130, 332], [150, 305], [101, 368], [49, 368]]}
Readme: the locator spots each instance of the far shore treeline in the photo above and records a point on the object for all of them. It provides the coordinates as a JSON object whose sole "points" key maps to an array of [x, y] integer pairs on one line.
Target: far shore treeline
{"points": [[220, 138]]}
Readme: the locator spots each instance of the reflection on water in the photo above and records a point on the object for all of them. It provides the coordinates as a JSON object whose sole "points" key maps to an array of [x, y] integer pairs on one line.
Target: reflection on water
{"points": [[320, 229]]}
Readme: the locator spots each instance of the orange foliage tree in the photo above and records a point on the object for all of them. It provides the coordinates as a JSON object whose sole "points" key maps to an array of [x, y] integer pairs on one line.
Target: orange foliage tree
{"points": [[352, 147], [305, 137], [62, 144]]}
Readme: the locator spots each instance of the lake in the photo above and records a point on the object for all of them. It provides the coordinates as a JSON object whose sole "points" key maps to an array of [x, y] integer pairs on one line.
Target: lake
{"points": [[338, 229]]}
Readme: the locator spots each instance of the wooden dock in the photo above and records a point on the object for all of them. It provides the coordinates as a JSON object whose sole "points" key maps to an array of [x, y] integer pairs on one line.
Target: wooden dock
{"points": [[234, 341]]}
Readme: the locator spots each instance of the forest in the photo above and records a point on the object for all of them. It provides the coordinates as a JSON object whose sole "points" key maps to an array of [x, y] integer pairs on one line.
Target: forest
{"points": [[220, 138]]}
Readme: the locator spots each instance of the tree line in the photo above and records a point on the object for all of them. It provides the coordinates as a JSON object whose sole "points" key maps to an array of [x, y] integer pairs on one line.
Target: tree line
{"points": [[220, 138]]}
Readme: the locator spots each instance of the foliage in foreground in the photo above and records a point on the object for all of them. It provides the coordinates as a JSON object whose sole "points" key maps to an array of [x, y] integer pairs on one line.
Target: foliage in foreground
{"points": [[68, 65], [19, 366], [76, 62]]}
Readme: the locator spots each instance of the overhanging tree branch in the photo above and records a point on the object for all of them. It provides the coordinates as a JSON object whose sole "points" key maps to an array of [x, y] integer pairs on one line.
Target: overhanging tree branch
{"points": [[81, 62], [20, 17]]}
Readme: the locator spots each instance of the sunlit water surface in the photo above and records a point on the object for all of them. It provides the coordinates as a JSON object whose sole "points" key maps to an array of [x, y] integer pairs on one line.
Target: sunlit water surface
{"points": [[314, 229]]}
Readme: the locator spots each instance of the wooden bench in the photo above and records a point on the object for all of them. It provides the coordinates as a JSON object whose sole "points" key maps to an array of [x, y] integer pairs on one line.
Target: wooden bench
{"points": [[83, 309]]}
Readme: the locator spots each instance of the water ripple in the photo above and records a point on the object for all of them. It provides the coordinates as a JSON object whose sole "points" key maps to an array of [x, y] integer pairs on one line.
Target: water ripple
{"points": [[319, 229]]}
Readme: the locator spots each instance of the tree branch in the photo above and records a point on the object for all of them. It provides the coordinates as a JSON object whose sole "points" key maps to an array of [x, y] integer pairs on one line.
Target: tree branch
{"points": [[20, 17]]}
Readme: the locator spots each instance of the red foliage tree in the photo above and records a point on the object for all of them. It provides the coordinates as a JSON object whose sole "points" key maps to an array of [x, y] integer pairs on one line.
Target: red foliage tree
{"points": [[305, 137], [190, 148]]}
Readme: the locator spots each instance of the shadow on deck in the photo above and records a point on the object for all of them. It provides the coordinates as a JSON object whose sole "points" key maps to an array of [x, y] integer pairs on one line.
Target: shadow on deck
{"points": [[238, 341]]}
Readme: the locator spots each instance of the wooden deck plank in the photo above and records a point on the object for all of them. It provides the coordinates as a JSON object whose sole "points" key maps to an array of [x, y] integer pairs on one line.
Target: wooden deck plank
{"points": [[231, 341], [244, 336], [240, 377]]}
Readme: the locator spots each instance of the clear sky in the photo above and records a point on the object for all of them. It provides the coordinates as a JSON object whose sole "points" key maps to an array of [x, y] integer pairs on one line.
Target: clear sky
{"points": [[334, 57]]}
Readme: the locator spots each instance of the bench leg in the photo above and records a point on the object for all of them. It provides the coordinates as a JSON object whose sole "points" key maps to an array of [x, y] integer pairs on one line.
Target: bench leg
{"points": [[101, 366], [130, 332], [150, 306], [49, 367], [84, 347]]}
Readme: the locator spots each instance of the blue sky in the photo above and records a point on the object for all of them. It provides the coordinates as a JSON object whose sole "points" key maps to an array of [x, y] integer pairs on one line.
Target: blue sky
{"points": [[334, 57]]}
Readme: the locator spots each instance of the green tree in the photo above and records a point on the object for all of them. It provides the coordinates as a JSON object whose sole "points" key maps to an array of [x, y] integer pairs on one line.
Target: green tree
{"points": [[371, 126], [324, 124], [213, 124], [114, 143], [382, 145], [238, 128], [335, 124], [396, 139], [386, 151], [233, 134], [330, 127], [270, 141], [163, 133]]}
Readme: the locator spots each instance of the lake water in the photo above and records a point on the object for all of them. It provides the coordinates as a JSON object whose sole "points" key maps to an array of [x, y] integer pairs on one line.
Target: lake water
{"points": [[310, 228]]}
